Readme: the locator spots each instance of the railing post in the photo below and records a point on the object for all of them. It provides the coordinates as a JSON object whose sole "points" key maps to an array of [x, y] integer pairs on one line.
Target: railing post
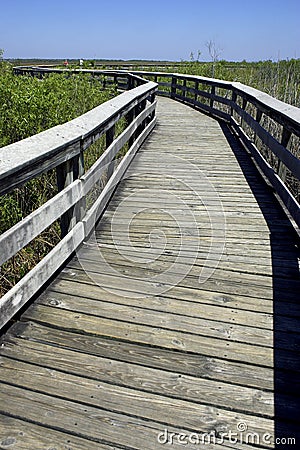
{"points": [[233, 100], [212, 94], [196, 92], [184, 89], [65, 176], [129, 119], [129, 82], [173, 87], [258, 118], [244, 104], [152, 100], [78, 171], [281, 168], [66, 173], [109, 137], [137, 110]]}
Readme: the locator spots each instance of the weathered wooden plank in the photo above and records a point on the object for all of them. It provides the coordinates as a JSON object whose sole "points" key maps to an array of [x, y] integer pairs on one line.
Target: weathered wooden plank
{"points": [[169, 383], [150, 283], [259, 251], [129, 268], [180, 293], [19, 434], [200, 366], [188, 364], [98, 424], [193, 257], [172, 392], [216, 231], [171, 321], [204, 219], [178, 298], [252, 242], [153, 336], [220, 328]]}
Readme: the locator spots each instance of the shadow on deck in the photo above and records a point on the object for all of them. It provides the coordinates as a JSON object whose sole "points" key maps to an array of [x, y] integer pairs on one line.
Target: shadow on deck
{"points": [[284, 247]]}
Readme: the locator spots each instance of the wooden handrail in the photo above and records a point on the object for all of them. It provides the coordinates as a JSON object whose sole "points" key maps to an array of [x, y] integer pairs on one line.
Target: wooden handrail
{"points": [[62, 148], [249, 113], [116, 77]]}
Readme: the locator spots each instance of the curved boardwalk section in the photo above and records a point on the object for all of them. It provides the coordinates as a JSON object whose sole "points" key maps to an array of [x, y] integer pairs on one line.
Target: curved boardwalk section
{"points": [[178, 317]]}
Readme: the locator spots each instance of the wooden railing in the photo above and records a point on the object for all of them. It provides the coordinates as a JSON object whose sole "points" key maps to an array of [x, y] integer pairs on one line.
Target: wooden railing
{"points": [[124, 80], [63, 148], [268, 128]]}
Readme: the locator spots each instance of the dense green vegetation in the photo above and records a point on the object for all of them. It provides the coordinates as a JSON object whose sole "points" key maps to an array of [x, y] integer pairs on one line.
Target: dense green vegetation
{"points": [[28, 106]]}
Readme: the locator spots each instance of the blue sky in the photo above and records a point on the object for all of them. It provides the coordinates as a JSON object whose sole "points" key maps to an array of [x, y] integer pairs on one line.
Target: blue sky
{"points": [[152, 29]]}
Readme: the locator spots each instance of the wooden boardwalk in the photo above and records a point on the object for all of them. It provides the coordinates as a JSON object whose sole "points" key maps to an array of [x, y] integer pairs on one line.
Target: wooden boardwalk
{"points": [[179, 315]]}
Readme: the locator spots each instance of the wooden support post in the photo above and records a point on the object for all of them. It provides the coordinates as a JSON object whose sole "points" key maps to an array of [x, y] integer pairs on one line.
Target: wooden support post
{"points": [[142, 106], [129, 82], [173, 87], [244, 104], [281, 168], [78, 171], [129, 118], [258, 118], [66, 173], [65, 176], [196, 92], [233, 99], [152, 100], [109, 137], [184, 89], [212, 93], [137, 110]]}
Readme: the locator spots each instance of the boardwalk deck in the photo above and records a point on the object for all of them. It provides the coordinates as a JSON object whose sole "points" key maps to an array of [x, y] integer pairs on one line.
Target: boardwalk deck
{"points": [[180, 313]]}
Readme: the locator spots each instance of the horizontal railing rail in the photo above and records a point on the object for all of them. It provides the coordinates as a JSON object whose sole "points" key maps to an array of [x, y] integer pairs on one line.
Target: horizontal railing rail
{"points": [[267, 127], [63, 148], [124, 80]]}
